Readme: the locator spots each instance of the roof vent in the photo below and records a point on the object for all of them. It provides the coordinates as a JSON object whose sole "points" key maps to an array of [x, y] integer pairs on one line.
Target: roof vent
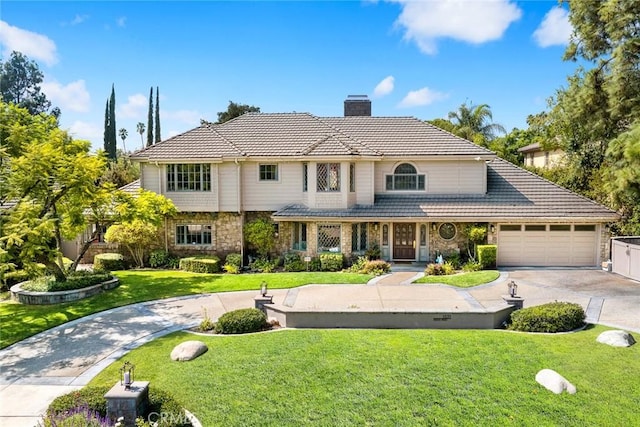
{"points": [[357, 105]]}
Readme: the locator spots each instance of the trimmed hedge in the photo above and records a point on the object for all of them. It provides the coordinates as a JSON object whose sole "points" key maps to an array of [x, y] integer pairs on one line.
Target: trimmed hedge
{"points": [[293, 262], [551, 317], [234, 259], [487, 255], [109, 262], [201, 264], [75, 280], [242, 321], [330, 261]]}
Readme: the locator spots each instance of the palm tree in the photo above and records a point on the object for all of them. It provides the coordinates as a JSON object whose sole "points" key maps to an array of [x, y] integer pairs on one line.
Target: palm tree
{"points": [[475, 123], [140, 129], [123, 135]]}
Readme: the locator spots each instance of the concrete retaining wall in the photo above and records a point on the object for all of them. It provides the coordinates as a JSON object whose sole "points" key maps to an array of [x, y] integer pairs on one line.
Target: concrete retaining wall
{"points": [[474, 319]]}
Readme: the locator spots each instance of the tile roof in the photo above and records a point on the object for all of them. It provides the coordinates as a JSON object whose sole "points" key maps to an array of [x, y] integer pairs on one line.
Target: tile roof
{"points": [[303, 134], [531, 147], [514, 194], [131, 188]]}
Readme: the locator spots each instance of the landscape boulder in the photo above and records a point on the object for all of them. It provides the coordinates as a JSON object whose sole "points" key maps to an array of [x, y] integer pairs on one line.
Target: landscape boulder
{"points": [[188, 350], [553, 381], [616, 338]]}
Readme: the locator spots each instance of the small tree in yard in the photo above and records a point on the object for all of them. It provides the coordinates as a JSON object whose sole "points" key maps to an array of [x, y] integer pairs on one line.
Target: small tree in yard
{"points": [[261, 235], [140, 218], [135, 236]]}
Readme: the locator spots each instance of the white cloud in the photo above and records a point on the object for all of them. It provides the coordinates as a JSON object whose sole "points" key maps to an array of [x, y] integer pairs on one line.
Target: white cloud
{"points": [[84, 130], [189, 117], [73, 96], [424, 22], [385, 87], [420, 97], [34, 45], [122, 21], [555, 28], [137, 106]]}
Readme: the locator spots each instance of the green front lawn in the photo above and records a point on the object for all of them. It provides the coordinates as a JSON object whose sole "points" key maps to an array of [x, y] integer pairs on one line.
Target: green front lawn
{"points": [[21, 321], [463, 280], [394, 378]]}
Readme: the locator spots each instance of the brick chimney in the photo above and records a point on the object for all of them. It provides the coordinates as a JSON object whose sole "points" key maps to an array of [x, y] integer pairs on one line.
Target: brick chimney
{"points": [[357, 105]]}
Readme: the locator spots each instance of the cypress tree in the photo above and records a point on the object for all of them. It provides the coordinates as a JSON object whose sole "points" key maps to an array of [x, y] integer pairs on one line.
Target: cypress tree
{"points": [[106, 128], [158, 139], [113, 141], [150, 120]]}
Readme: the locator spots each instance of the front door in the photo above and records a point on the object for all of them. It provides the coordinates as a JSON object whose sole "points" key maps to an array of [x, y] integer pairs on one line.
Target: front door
{"points": [[404, 241]]}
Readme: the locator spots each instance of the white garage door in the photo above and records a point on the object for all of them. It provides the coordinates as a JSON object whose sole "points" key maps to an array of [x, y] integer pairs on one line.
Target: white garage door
{"points": [[547, 245]]}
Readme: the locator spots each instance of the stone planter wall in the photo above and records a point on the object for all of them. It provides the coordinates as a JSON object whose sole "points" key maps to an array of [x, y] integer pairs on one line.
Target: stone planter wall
{"points": [[45, 298]]}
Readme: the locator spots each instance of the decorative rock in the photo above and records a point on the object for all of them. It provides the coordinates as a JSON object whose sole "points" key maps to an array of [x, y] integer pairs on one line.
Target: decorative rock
{"points": [[616, 338], [553, 381], [188, 350]]}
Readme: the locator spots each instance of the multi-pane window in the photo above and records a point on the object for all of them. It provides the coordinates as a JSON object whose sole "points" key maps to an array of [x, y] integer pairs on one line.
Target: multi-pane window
{"points": [[328, 177], [188, 234], [299, 236], [269, 172], [189, 177], [385, 235], [329, 238], [359, 237], [405, 177], [352, 177], [305, 177]]}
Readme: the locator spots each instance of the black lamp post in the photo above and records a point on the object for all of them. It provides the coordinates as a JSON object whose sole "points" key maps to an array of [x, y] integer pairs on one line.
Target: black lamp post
{"points": [[126, 375], [263, 289], [513, 288]]}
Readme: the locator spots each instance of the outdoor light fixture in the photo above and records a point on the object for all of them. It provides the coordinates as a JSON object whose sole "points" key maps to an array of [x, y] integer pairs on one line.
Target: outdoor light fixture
{"points": [[493, 228], [126, 375], [433, 226], [513, 288], [263, 289]]}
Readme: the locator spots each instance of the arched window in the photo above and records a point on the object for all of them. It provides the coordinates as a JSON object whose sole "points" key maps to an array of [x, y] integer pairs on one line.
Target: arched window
{"points": [[405, 178]]}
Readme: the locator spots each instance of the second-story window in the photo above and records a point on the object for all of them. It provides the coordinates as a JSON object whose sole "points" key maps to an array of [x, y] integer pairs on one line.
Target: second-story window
{"points": [[352, 177], [269, 172], [189, 177], [405, 178], [328, 177], [305, 177]]}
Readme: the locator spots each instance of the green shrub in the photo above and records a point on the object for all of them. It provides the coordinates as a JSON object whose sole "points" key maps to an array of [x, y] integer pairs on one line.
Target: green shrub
{"points": [[551, 317], [373, 252], [358, 265], [470, 266], [14, 277], [242, 321], [159, 258], [109, 262], [234, 259], [264, 265], [330, 261], [439, 269], [454, 259], [90, 397], [315, 264], [376, 267], [201, 264], [487, 255], [75, 280], [261, 235], [293, 262], [231, 268]]}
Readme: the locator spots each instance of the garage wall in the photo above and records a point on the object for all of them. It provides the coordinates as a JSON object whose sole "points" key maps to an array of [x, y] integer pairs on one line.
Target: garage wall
{"points": [[571, 245]]}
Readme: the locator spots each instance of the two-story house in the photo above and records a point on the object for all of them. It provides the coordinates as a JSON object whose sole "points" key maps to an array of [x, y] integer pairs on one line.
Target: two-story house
{"points": [[535, 155], [343, 184]]}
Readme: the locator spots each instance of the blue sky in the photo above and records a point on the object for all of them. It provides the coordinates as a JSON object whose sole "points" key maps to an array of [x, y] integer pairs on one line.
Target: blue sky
{"points": [[420, 59]]}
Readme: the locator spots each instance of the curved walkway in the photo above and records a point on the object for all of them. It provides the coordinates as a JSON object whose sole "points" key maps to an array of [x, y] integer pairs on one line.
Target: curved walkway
{"points": [[67, 357]]}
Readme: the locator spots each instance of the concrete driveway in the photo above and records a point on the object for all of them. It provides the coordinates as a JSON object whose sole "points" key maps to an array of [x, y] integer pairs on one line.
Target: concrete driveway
{"points": [[613, 300]]}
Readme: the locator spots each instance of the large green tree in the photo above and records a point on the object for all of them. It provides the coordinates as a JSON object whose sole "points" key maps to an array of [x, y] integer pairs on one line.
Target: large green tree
{"points": [[110, 139], [475, 123], [20, 80], [50, 181], [235, 110]]}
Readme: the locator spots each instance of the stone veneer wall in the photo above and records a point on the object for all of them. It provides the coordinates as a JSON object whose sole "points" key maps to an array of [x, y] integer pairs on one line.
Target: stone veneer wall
{"points": [[458, 244], [226, 232], [605, 243]]}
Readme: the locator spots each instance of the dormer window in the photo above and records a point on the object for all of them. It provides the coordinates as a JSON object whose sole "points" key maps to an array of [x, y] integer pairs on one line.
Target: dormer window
{"points": [[405, 178], [328, 177]]}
